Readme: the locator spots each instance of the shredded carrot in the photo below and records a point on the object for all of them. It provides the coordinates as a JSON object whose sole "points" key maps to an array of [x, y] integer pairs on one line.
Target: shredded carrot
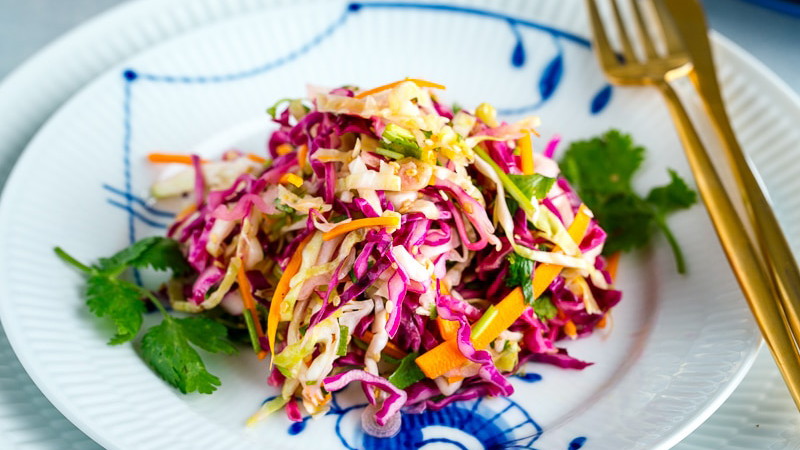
{"points": [[388, 221], [255, 158], [302, 155], [508, 311], [163, 158], [452, 380], [544, 274], [291, 179], [246, 292], [280, 293], [446, 356], [441, 359], [417, 81], [390, 349], [602, 322], [613, 263], [570, 329], [184, 213], [284, 149], [447, 328], [526, 154], [262, 354]]}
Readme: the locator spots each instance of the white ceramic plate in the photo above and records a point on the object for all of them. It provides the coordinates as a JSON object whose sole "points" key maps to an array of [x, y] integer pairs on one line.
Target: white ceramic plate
{"points": [[654, 398]]}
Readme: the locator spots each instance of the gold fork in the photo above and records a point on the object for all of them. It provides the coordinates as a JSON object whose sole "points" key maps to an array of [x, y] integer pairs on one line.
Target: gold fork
{"points": [[658, 69]]}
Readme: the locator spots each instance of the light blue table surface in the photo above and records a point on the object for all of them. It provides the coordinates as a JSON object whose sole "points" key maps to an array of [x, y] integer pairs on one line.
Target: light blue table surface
{"points": [[28, 25]]}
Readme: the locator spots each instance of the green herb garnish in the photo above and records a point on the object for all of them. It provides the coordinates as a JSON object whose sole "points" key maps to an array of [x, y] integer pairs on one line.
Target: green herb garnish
{"points": [[167, 347], [601, 170]]}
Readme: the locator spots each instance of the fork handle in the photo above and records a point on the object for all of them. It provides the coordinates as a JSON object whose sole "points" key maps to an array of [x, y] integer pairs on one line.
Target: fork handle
{"points": [[775, 250], [777, 256], [738, 248]]}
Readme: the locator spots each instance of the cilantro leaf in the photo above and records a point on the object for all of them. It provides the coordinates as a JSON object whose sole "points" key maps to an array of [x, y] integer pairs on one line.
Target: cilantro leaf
{"points": [[166, 349], [157, 252], [209, 335], [119, 301], [603, 165], [544, 308], [530, 186], [628, 220], [601, 170], [520, 270], [672, 197], [534, 185]]}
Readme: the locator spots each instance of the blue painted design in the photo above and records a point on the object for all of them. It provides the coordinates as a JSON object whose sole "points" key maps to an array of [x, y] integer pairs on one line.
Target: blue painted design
{"points": [[555, 32], [577, 443], [135, 214], [258, 70], [551, 77], [511, 427], [601, 99], [297, 427], [139, 201], [501, 424], [529, 377], [130, 75], [518, 54], [126, 155]]}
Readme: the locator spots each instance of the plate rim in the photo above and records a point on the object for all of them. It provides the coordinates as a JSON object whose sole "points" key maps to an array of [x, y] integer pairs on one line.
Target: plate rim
{"points": [[117, 13]]}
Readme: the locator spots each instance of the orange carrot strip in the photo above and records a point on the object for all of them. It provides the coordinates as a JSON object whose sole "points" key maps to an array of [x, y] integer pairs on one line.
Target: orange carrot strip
{"points": [[613, 263], [164, 158], [526, 154], [446, 356], [184, 213], [302, 155], [441, 359], [284, 149], [291, 179], [570, 329], [280, 293], [390, 349], [447, 328], [417, 81], [544, 274], [255, 158], [246, 292], [388, 221], [602, 322], [508, 311]]}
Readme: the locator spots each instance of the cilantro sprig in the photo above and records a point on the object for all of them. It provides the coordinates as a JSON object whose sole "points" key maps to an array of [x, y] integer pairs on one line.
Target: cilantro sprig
{"points": [[520, 270], [168, 348], [531, 186], [601, 170]]}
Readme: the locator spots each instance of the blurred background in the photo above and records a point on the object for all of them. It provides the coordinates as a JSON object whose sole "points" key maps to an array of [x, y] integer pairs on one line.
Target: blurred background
{"points": [[765, 28]]}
